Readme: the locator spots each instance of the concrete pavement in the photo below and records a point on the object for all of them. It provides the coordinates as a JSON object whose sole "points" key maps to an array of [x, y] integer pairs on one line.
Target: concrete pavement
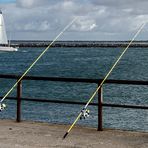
{"points": [[43, 135]]}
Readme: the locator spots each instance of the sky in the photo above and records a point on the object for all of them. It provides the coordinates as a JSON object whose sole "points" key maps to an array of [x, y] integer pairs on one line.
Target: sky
{"points": [[97, 19]]}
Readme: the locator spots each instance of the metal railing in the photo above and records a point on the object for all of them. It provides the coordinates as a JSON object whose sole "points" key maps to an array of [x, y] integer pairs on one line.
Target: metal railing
{"points": [[100, 103]]}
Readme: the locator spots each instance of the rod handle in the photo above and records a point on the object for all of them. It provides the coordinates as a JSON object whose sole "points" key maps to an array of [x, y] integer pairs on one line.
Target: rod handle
{"points": [[65, 135]]}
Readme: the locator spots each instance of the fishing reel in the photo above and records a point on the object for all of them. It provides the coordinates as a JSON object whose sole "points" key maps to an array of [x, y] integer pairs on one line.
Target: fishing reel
{"points": [[2, 106], [84, 113]]}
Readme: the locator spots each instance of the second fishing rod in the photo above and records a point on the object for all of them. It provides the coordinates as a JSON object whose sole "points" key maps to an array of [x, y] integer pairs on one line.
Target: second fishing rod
{"points": [[84, 111]]}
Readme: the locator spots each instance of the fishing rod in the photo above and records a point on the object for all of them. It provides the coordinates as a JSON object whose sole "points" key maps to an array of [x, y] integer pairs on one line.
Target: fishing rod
{"points": [[85, 112], [2, 105]]}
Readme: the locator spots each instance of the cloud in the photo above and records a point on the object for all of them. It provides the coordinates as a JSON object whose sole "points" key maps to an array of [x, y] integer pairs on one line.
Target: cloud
{"points": [[98, 20], [84, 24], [36, 26], [31, 3]]}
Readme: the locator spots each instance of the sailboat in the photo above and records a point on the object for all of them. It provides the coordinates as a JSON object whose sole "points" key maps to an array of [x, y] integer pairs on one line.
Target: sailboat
{"points": [[4, 46]]}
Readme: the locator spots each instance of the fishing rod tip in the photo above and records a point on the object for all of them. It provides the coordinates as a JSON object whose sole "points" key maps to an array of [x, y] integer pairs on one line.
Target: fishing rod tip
{"points": [[65, 135]]}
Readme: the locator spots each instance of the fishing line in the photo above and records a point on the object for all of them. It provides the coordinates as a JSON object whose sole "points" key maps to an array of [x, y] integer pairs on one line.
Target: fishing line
{"points": [[65, 28], [107, 75]]}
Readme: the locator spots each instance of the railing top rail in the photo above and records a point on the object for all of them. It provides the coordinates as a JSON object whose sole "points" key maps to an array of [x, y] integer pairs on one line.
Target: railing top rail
{"points": [[83, 80]]}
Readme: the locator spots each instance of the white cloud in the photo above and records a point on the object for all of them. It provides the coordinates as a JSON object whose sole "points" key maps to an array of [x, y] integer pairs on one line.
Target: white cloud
{"points": [[36, 26], [84, 24], [25, 3], [107, 19], [31, 3]]}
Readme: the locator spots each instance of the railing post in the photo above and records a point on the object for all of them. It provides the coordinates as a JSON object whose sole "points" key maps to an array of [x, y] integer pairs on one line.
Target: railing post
{"points": [[19, 93], [100, 101]]}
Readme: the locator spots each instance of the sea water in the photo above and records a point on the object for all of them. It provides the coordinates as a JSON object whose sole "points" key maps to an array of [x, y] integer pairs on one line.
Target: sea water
{"points": [[78, 63]]}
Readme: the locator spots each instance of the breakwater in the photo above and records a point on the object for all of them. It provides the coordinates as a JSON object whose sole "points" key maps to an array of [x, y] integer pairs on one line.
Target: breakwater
{"points": [[25, 43]]}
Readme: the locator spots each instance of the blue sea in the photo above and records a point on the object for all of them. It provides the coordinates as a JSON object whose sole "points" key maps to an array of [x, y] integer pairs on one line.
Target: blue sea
{"points": [[78, 63]]}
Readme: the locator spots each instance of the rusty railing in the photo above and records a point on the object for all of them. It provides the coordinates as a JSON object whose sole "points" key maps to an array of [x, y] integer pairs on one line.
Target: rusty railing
{"points": [[100, 103]]}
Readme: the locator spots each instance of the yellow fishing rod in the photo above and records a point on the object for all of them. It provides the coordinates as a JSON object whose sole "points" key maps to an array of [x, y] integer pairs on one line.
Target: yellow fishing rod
{"points": [[2, 105], [84, 112]]}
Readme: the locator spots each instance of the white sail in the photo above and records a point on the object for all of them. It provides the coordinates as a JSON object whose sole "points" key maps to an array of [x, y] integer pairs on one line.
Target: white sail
{"points": [[3, 36]]}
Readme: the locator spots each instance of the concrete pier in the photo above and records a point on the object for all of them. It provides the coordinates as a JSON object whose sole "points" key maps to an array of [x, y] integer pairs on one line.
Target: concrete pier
{"points": [[43, 135]]}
